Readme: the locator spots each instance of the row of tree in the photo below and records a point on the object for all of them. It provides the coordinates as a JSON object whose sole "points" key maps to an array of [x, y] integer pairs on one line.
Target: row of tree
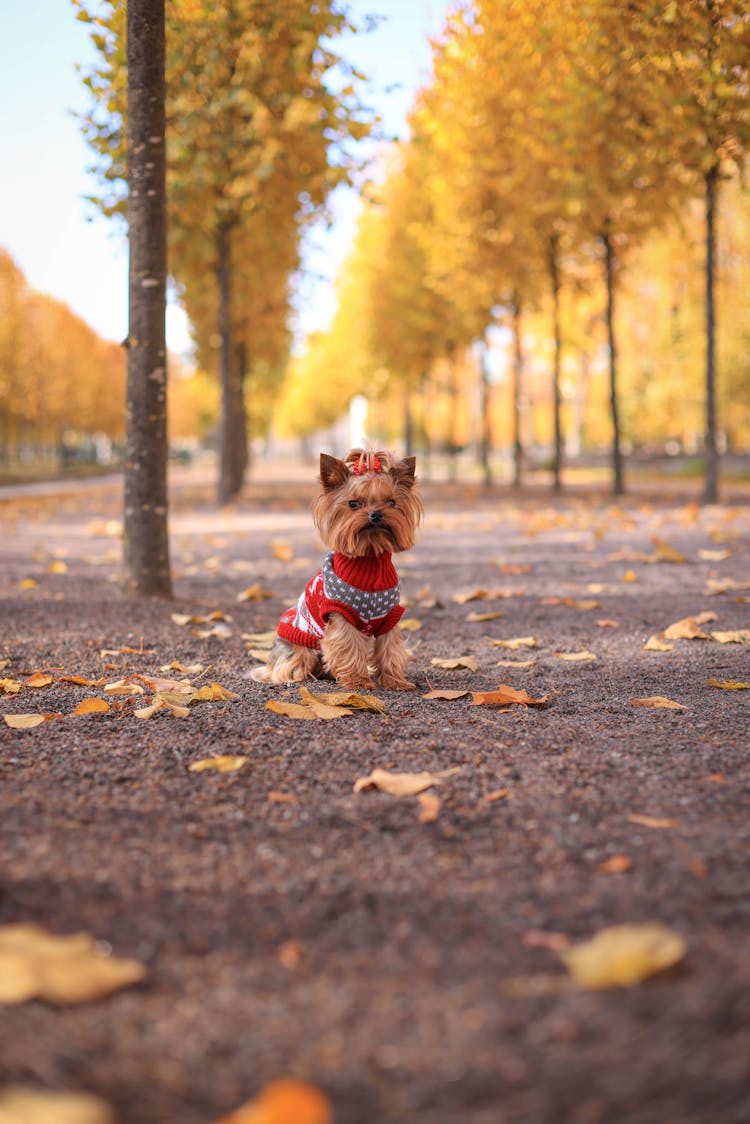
{"points": [[553, 143]]}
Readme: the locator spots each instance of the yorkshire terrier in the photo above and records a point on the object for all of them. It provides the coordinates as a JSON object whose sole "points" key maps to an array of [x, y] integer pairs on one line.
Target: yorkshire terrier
{"points": [[367, 508]]}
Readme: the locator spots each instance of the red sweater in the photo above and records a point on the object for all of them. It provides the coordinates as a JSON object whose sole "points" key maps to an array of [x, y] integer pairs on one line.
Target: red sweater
{"points": [[364, 590]]}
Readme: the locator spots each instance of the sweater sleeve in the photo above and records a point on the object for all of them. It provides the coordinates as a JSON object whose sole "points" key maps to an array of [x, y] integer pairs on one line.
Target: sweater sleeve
{"points": [[390, 621]]}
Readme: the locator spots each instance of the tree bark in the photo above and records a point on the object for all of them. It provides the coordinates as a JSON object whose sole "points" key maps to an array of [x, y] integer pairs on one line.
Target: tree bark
{"points": [[232, 431], [618, 481], [711, 451], [517, 392], [554, 270], [146, 541]]}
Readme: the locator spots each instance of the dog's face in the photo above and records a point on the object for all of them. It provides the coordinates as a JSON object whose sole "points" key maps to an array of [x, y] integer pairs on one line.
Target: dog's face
{"points": [[367, 503]]}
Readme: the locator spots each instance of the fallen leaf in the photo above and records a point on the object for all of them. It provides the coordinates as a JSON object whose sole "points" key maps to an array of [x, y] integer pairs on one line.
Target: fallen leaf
{"points": [[658, 702], [290, 954], [173, 704], [654, 644], [629, 576], [513, 568], [27, 583], [183, 669], [430, 805], [282, 798], [39, 679], [497, 794], [58, 567], [576, 656], [506, 695], [10, 686], [728, 684], [350, 699], [689, 628], [401, 784], [92, 706], [586, 604], [624, 955], [297, 710], [607, 624], [23, 721], [666, 553], [223, 763], [515, 642], [36, 964], [410, 625], [456, 663], [472, 595], [262, 655], [738, 636], [449, 696], [123, 687], [726, 585], [282, 550], [714, 555], [651, 821], [617, 864], [284, 1102], [19, 1105], [254, 593], [475, 618], [80, 680], [213, 692], [260, 639]]}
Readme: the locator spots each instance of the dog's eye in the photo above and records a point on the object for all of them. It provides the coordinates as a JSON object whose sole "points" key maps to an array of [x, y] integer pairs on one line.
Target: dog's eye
{"points": [[354, 504], [391, 503]]}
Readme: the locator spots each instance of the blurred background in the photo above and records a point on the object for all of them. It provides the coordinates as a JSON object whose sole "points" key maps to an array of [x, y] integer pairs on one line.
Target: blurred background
{"points": [[512, 237]]}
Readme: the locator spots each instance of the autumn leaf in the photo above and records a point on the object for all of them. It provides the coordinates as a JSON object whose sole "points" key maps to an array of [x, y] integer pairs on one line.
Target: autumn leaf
{"points": [[254, 593], [658, 702], [23, 721], [654, 644], [282, 550], [651, 821], [35, 964], [183, 669], [19, 1105], [617, 864], [473, 595], [123, 687], [738, 636], [401, 784], [516, 663], [629, 576], [586, 604], [57, 567], [506, 695], [430, 805], [689, 628], [284, 1102], [573, 657], [515, 642], [39, 679], [410, 624], [475, 618], [624, 955], [726, 585], [728, 684], [213, 693], [172, 704], [497, 794], [259, 639], [666, 553], [448, 696], [344, 698], [92, 706], [10, 686], [298, 710], [27, 583], [223, 763], [456, 663]]}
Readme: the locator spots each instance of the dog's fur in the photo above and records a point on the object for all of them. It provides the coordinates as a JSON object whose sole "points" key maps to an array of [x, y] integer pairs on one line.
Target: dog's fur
{"points": [[368, 504]]}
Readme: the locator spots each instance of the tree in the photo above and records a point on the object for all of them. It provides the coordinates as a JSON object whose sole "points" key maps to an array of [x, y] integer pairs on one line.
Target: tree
{"points": [[146, 544]]}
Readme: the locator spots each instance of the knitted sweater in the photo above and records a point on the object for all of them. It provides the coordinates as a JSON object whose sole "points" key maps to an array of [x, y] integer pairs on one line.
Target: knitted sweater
{"points": [[364, 590]]}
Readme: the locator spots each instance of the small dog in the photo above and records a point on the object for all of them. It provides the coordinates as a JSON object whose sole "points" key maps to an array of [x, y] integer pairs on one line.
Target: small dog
{"points": [[367, 509]]}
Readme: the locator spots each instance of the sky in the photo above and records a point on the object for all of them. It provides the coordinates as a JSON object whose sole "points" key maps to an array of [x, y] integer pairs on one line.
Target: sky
{"points": [[55, 237]]}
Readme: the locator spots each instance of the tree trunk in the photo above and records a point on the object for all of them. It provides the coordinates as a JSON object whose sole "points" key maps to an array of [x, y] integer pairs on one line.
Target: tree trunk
{"points": [[517, 394], [711, 452], [554, 270], [408, 424], [232, 435], [242, 424], [146, 542], [618, 481]]}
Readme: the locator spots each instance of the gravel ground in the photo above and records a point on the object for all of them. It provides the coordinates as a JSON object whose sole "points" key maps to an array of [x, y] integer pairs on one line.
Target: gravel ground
{"points": [[293, 927]]}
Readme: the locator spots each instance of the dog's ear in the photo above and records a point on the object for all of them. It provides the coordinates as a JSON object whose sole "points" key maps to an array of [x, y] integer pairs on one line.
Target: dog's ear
{"points": [[404, 471], [333, 472]]}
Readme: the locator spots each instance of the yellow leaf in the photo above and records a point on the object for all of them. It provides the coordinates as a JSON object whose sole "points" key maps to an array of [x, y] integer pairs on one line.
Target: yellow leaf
{"points": [[401, 784], [284, 1102], [516, 663], [58, 567], [213, 693], [123, 687], [19, 1105], [10, 686], [27, 583], [182, 669], [515, 642], [23, 721], [262, 655], [282, 550], [224, 763], [344, 698], [629, 576], [624, 955], [738, 636], [456, 663], [450, 696], [35, 964], [254, 593], [576, 656], [728, 684], [260, 639], [654, 644], [430, 805], [91, 706], [506, 695], [666, 553], [475, 618], [689, 628], [651, 821], [296, 710], [410, 625], [658, 702], [714, 555], [38, 679]]}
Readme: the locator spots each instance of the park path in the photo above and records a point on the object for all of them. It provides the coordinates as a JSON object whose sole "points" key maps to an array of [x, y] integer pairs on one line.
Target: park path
{"points": [[405, 956]]}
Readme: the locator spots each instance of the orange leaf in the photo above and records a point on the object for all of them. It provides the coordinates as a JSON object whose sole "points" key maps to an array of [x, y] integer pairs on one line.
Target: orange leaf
{"points": [[658, 702], [284, 1102], [429, 807], [651, 821], [449, 695], [505, 695], [497, 794], [39, 679], [618, 864], [92, 706]]}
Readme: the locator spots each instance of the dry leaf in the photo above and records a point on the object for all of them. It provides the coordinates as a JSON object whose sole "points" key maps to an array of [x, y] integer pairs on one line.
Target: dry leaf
{"points": [[624, 955], [658, 702], [576, 656], [224, 763], [430, 805], [19, 1105], [305, 711], [689, 628], [35, 964], [617, 864], [173, 704], [410, 625], [39, 679], [506, 695], [260, 639], [401, 784], [726, 585], [213, 693], [738, 636], [344, 698], [475, 618], [513, 568], [284, 1102], [27, 583], [254, 593], [290, 954], [282, 550], [714, 555], [10, 686], [666, 553], [4, 664], [654, 644], [629, 576], [572, 603], [607, 624], [473, 595], [183, 669], [123, 687], [728, 684], [282, 798], [515, 642], [450, 696], [23, 721], [516, 663], [456, 663], [497, 794], [651, 821], [58, 567], [91, 706]]}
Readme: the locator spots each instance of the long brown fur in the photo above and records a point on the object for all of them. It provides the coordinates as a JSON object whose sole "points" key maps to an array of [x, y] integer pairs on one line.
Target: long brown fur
{"points": [[345, 653]]}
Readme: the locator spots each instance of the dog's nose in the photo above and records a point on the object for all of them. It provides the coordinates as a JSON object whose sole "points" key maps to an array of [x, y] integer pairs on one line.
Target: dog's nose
{"points": [[376, 517]]}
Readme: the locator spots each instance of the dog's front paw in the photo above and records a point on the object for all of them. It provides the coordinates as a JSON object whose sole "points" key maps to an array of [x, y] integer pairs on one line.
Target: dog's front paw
{"points": [[353, 683], [392, 683]]}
